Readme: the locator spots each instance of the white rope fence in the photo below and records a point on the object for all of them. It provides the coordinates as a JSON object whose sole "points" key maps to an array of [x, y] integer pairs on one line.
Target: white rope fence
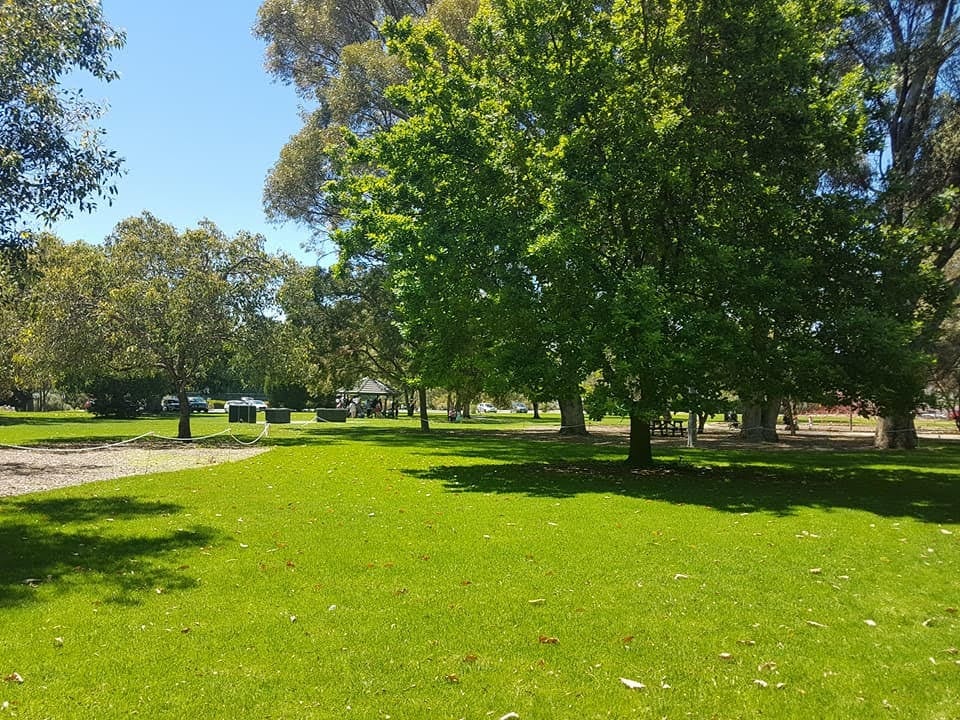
{"points": [[146, 436]]}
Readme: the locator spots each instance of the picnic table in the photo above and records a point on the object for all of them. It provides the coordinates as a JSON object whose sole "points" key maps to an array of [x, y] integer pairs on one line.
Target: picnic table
{"points": [[674, 428]]}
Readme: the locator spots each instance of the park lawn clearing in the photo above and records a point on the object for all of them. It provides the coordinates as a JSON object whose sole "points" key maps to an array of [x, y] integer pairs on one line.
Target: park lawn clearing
{"points": [[373, 571]]}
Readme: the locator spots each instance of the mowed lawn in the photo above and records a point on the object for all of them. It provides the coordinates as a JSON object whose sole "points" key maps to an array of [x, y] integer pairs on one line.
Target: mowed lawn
{"points": [[371, 571]]}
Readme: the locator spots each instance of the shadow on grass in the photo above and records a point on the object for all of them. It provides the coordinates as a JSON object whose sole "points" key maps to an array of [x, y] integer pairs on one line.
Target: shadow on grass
{"points": [[65, 542], [928, 497]]}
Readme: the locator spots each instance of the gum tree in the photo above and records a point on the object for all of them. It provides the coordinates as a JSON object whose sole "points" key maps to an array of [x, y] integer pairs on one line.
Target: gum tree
{"points": [[51, 159]]}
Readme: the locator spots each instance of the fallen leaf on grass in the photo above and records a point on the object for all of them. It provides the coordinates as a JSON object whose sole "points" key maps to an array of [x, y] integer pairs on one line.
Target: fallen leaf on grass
{"points": [[767, 666], [537, 601], [760, 683], [13, 678], [510, 716], [746, 642], [470, 658], [726, 656], [681, 576], [814, 623], [547, 640], [633, 684], [946, 532], [951, 610], [871, 623], [452, 679], [816, 571]]}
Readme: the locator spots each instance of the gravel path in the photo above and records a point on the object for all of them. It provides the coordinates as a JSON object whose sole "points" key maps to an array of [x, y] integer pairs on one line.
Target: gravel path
{"points": [[27, 471]]}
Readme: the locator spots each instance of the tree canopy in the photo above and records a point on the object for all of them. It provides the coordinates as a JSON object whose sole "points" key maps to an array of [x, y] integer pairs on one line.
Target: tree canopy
{"points": [[51, 158]]}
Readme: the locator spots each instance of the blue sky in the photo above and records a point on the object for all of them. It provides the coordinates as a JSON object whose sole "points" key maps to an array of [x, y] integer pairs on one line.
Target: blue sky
{"points": [[197, 119]]}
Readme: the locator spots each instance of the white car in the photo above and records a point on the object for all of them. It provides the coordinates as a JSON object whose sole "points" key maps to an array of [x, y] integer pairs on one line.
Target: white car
{"points": [[486, 408], [259, 404]]}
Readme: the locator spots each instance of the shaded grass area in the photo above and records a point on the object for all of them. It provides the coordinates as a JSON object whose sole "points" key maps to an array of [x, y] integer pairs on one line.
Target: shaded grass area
{"points": [[371, 570]]}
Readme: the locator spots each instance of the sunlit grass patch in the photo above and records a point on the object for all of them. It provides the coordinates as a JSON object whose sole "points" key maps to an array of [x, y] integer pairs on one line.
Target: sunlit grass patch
{"points": [[371, 570]]}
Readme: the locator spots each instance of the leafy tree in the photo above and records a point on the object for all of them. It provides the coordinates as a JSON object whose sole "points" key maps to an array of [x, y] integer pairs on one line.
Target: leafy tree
{"points": [[50, 158], [910, 51], [175, 301]]}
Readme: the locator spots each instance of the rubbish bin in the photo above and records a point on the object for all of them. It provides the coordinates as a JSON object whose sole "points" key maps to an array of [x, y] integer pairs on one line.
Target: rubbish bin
{"points": [[242, 413], [277, 415]]}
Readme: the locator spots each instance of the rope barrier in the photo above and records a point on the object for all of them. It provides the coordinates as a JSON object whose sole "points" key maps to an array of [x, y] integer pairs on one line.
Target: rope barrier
{"points": [[108, 446]]}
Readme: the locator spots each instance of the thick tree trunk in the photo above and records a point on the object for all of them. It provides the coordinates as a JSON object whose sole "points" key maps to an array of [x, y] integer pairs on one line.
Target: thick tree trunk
{"points": [[760, 421], [424, 420], [641, 451], [896, 432], [701, 421], [183, 428], [572, 421], [536, 411]]}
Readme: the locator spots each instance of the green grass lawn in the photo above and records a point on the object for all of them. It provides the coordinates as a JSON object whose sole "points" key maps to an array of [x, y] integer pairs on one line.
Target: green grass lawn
{"points": [[370, 571]]}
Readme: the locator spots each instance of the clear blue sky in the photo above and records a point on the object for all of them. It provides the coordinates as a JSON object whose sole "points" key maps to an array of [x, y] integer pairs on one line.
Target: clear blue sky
{"points": [[197, 119]]}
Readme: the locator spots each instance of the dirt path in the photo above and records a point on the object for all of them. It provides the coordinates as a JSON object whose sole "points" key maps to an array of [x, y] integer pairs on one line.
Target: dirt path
{"points": [[27, 471]]}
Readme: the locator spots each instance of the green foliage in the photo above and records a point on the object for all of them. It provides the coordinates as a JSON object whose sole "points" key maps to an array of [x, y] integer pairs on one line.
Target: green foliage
{"points": [[51, 160], [123, 397]]}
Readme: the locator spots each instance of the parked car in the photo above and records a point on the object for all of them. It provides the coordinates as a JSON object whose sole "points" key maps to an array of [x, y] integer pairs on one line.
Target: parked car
{"points": [[198, 404], [485, 407], [169, 404], [259, 404], [518, 407]]}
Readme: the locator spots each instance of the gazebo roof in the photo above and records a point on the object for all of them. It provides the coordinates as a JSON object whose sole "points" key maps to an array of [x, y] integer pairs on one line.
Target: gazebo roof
{"points": [[369, 386]]}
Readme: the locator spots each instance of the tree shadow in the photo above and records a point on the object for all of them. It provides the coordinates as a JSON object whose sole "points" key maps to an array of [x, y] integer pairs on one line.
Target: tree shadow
{"points": [[66, 542], [926, 496]]}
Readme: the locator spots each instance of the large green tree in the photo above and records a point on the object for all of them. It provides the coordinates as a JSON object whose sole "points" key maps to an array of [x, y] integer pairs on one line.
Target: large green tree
{"points": [[51, 158], [909, 49], [176, 301], [675, 184]]}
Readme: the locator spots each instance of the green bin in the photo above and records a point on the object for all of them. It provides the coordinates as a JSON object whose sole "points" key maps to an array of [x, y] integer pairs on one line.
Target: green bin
{"points": [[242, 413], [277, 415]]}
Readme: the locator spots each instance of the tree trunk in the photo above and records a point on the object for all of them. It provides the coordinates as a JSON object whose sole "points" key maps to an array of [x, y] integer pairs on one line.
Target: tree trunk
{"points": [[424, 420], [760, 421], [571, 416], [896, 432], [183, 428], [536, 410], [641, 451], [701, 421]]}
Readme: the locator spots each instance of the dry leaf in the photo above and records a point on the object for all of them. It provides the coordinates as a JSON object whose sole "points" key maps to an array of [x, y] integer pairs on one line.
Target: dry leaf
{"points": [[780, 686], [816, 571], [13, 678], [871, 623], [633, 684], [681, 576], [470, 658], [746, 642], [726, 656], [537, 601], [452, 679], [951, 610], [546, 640], [814, 623], [945, 531], [760, 683], [767, 666], [510, 716]]}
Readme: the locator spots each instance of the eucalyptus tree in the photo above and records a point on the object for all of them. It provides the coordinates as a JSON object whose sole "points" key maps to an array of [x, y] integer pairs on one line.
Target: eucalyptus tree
{"points": [[176, 301], [909, 49], [51, 159]]}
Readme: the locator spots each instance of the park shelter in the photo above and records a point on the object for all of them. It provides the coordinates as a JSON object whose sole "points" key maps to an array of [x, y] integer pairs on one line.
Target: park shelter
{"points": [[368, 390]]}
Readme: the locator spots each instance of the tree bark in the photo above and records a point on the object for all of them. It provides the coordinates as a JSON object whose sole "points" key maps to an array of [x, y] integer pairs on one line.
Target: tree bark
{"points": [[760, 420], [424, 420], [183, 427], [536, 411], [641, 450], [572, 421], [895, 432]]}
